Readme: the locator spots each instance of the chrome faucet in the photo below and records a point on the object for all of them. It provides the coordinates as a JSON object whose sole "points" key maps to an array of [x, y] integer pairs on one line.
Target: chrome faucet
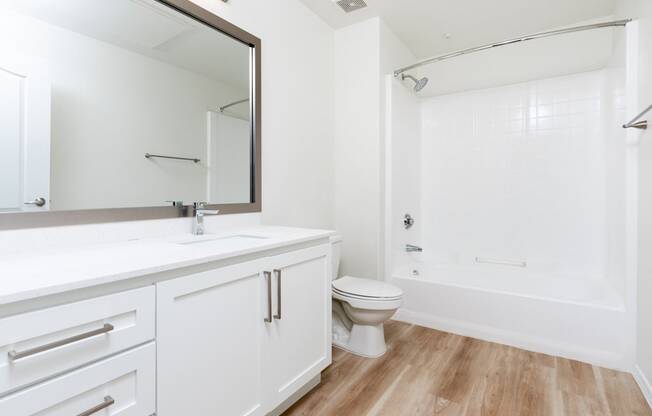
{"points": [[198, 217], [411, 248]]}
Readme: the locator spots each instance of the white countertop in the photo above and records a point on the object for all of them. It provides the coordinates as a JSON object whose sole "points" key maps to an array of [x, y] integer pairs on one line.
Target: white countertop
{"points": [[37, 274]]}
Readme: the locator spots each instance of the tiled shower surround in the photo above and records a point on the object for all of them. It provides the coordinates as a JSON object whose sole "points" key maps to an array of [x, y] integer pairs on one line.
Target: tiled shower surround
{"points": [[520, 173]]}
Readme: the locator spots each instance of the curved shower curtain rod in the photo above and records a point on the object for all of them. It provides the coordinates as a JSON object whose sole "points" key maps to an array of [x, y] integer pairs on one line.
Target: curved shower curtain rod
{"points": [[512, 41]]}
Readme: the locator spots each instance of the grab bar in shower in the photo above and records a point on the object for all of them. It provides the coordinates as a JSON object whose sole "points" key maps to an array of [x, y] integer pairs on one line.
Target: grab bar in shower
{"points": [[636, 122], [514, 263]]}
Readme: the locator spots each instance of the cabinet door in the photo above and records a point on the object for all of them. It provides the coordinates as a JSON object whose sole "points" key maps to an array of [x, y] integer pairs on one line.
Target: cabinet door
{"points": [[297, 346], [209, 333]]}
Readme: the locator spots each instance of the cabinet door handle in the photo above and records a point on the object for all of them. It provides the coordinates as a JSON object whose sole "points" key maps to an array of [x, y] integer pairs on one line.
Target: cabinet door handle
{"points": [[278, 293], [108, 401], [268, 279], [17, 355]]}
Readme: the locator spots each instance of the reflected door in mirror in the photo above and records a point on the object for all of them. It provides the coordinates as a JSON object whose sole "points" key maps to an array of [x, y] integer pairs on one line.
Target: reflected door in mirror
{"points": [[24, 134]]}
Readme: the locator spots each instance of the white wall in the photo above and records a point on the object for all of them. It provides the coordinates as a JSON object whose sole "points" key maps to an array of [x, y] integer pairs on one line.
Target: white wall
{"points": [[357, 147], [364, 53], [403, 173], [296, 126], [642, 11], [393, 54], [229, 157], [110, 106]]}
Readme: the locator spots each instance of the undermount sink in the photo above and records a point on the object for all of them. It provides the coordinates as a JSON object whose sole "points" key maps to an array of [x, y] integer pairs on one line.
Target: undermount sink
{"points": [[229, 239]]}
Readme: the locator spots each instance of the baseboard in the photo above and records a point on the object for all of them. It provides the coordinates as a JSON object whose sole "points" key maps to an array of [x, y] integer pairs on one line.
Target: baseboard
{"points": [[643, 384], [528, 342]]}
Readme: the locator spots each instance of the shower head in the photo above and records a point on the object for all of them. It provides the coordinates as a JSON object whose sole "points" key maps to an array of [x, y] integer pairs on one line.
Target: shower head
{"points": [[419, 83]]}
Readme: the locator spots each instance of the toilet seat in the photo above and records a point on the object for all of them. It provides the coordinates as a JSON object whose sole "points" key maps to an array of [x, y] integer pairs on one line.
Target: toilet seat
{"points": [[372, 305], [366, 288], [367, 293]]}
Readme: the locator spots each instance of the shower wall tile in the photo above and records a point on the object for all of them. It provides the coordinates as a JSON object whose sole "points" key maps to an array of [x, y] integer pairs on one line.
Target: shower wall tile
{"points": [[519, 173]]}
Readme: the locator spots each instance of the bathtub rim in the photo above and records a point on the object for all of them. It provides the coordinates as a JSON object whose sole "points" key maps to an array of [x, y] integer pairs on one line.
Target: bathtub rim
{"points": [[610, 307]]}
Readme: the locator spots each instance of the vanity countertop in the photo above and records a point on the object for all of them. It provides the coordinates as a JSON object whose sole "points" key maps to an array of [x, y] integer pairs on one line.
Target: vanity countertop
{"points": [[37, 274]]}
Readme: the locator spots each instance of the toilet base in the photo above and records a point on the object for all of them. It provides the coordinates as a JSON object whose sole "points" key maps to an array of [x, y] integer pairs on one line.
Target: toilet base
{"points": [[363, 340]]}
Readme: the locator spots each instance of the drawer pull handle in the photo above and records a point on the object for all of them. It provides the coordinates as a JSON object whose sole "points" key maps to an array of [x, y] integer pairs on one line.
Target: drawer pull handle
{"points": [[108, 401], [268, 280], [278, 294], [17, 355]]}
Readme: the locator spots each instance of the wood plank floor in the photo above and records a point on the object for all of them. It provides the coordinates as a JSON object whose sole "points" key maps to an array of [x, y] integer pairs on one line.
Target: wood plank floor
{"points": [[428, 372]]}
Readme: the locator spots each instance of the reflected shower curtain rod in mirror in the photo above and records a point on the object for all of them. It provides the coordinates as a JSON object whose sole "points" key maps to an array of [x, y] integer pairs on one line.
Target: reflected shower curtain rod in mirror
{"points": [[232, 104], [540, 35]]}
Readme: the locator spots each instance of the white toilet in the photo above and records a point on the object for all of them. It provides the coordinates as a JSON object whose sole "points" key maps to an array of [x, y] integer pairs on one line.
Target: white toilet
{"points": [[360, 308]]}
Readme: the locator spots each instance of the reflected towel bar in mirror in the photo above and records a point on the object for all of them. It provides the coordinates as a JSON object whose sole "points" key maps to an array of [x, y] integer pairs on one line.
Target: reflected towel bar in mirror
{"points": [[149, 156], [636, 122]]}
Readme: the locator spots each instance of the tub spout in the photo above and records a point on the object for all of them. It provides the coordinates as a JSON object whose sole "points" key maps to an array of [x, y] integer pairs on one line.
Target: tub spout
{"points": [[412, 248]]}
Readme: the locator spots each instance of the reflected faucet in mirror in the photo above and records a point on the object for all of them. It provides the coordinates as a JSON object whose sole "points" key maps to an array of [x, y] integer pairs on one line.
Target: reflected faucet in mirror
{"points": [[198, 217]]}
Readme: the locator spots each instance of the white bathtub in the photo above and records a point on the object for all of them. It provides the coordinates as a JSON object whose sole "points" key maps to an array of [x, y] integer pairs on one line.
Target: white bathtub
{"points": [[574, 318]]}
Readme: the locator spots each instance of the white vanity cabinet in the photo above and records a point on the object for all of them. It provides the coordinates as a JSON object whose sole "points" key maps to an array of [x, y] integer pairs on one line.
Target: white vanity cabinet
{"points": [[240, 340], [244, 335]]}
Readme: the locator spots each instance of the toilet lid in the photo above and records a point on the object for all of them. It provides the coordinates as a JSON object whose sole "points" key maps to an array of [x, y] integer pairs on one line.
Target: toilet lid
{"points": [[367, 288]]}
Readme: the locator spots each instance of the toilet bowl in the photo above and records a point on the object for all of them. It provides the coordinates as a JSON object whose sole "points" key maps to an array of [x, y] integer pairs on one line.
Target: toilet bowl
{"points": [[360, 309]]}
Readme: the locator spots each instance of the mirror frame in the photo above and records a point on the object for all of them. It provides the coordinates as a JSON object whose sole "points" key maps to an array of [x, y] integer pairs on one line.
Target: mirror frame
{"points": [[20, 220]]}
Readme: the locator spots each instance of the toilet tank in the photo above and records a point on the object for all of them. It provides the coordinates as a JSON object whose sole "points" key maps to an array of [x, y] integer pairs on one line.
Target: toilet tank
{"points": [[336, 244]]}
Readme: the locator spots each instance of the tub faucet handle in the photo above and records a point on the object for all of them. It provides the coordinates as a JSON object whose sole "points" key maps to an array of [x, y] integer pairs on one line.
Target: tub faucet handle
{"points": [[412, 248], [408, 221]]}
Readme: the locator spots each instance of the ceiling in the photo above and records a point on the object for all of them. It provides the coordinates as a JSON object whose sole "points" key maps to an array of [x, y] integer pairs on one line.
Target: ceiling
{"points": [[423, 24]]}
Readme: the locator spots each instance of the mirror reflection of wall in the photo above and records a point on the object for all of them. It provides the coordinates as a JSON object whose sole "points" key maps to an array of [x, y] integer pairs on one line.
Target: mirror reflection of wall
{"points": [[229, 152], [106, 82]]}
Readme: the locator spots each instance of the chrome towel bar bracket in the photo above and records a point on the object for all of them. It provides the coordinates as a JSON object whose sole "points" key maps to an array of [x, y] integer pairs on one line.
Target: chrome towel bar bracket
{"points": [[636, 122]]}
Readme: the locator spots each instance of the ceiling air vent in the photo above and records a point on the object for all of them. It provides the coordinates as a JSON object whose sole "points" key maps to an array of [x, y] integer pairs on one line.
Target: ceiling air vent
{"points": [[351, 5]]}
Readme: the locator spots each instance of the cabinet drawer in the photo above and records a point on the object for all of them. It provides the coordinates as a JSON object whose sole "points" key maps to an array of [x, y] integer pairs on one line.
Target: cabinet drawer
{"points": [[45, 343], [123, 385]]}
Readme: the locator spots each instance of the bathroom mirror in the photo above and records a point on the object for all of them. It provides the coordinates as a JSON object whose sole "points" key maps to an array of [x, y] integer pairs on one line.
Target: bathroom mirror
{"points": [[114, 110]]}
